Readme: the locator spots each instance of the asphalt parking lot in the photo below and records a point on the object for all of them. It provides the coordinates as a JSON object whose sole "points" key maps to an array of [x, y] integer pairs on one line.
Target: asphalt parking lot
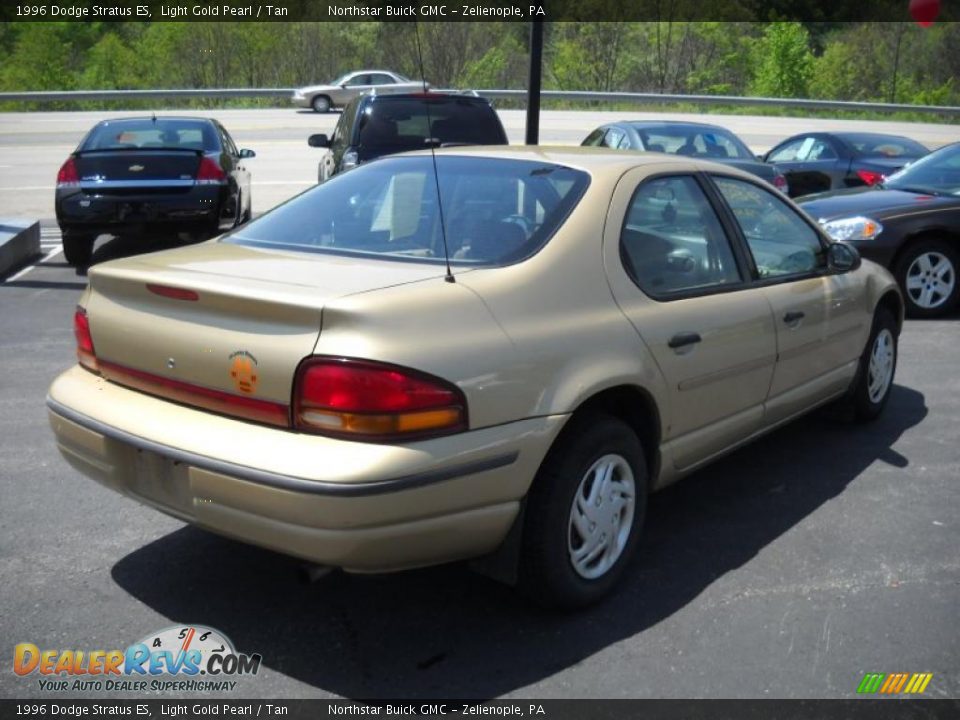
{"points": [[786, 570]]}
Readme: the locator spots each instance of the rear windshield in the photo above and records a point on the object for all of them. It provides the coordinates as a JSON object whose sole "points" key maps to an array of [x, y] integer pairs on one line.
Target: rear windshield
{"points": [[418, 122], [162, 133], [694, 141], [882, 146], [494, 211]]}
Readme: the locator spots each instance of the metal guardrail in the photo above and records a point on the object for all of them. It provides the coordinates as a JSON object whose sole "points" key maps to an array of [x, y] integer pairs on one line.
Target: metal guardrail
{"points": [[623, 97]]}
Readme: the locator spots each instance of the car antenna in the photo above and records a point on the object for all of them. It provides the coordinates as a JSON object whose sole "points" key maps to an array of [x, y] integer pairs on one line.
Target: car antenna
{"points": [[433, 155]]}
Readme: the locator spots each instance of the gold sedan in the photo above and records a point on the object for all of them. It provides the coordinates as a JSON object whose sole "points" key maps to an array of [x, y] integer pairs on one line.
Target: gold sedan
{"points": [[500, 361]]}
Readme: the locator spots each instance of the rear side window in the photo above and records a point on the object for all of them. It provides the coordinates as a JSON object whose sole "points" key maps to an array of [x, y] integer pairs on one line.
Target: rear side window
{"points": [[882, 146], [172, 134], [672, 241], [495, 211], [412, 123], [781, 242]]}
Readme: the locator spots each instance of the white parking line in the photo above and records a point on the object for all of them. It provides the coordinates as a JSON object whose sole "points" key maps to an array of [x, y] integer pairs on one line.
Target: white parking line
{"points": [[53, 253]]}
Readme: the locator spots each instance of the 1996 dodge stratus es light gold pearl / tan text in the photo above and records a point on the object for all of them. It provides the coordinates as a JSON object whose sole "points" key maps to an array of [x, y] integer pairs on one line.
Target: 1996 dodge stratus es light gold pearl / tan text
{"points": [[318, 383]]}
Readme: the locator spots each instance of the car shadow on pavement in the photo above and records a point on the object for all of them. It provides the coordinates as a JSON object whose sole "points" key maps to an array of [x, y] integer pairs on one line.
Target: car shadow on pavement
{"points": [[446, 632]]}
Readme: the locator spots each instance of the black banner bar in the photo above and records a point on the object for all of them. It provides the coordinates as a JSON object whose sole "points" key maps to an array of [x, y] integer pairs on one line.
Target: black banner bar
{"points": [[826, 11], [855, 709]]}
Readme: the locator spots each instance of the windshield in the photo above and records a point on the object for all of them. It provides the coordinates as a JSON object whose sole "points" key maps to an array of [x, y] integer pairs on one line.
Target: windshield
{"points": [[152, 134], [495, 211], [694, 141], [937, 173]]}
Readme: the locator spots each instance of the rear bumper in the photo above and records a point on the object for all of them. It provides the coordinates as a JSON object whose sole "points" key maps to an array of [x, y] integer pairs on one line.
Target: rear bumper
{"points": [[88, 212], [366, 508]]}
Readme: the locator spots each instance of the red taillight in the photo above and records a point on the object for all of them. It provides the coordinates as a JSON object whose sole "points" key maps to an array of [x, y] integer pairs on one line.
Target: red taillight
{"points": [[366, 400], [81, 329], [870, 177], [173, 292], [209, 173], [780, 183], [68, 177]]}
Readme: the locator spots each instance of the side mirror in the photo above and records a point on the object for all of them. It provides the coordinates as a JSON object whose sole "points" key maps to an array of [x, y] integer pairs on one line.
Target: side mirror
{"points": [[318, 140], [247, 153], [842, 258], [761, 158]]}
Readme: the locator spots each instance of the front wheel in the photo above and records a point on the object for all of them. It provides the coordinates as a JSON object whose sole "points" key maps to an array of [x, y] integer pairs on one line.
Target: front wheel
{"points": [[877, 367], [321, 104], [927, 274], [584, 514]]}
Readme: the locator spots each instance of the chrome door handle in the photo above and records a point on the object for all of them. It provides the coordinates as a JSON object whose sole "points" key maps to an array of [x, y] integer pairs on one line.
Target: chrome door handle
{"points": [[793, 316]]}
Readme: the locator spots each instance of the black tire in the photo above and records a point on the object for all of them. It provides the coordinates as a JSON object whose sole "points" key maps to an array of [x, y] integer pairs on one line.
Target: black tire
{"points": [[321, 104], [867, 406], [248, 213], [547, 573], [78, 248], [908, 270]]}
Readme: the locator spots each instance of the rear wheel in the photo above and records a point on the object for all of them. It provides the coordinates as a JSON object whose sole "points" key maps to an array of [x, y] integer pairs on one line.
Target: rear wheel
{"points": [[927, 274], [78, 248], [583, 514], [877, 367], [321, 104]]}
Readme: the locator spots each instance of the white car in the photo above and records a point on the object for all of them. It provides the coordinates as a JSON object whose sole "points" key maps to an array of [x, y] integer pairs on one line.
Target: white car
{"points": [[342, 90]]}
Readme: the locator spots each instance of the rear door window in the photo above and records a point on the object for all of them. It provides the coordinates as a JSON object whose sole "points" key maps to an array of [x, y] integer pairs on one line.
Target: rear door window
{"points": [[672, 242]]}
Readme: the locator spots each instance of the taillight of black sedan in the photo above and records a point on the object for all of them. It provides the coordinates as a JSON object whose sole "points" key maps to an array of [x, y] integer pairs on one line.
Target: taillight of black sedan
{"points": [[142, 176], [821, 161]]}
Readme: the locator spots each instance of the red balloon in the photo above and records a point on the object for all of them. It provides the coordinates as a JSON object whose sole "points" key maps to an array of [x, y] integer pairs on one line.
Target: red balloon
{"points": [[924, 11]]}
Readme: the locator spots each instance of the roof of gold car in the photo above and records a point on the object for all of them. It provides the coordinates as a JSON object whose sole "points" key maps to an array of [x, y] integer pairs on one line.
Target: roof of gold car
{"points": [[590, 159]]}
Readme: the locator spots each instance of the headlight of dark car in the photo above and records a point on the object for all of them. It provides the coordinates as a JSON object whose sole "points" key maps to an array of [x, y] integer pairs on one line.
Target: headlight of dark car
{"points": [[852, 228]]}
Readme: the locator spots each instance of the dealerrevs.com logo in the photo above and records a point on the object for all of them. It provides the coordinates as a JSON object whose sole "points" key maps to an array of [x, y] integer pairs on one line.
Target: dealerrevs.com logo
{"points": [[179, 658]]}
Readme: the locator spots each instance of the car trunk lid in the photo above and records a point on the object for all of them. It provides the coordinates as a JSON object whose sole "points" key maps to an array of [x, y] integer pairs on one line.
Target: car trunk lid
{"points": [[222, 326], [162, 170]]}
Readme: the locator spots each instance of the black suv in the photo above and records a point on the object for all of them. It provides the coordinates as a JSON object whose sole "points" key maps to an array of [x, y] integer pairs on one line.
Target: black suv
{"points": [[375, 125]]}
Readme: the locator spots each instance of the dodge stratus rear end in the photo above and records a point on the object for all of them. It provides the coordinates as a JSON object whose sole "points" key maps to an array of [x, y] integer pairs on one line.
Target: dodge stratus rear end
{"points": [[314, 383], [496, 352]]}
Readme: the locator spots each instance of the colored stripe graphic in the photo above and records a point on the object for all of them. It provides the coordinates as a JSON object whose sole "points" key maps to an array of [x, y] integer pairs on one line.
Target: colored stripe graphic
{"points": [[871, 682], [894, 683]]}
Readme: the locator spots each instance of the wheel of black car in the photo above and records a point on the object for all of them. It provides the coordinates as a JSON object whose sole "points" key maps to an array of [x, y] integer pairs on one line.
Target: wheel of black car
{"points": [[584, 513], [878, 364], [78, 248], [927, 274], [248, 213], [321, 104]]}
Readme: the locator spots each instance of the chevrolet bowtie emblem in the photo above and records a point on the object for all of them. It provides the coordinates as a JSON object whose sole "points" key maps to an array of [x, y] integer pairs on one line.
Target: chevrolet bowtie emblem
{"points": [[135, 168]]}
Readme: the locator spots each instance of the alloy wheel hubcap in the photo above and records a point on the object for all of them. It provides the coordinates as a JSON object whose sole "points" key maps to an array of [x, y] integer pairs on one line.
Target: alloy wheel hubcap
{"points": [[931, 278], [601, 517], [880, 372]]}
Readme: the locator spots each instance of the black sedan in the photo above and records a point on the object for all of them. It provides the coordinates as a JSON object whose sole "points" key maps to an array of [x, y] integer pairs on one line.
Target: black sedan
{"points": [[910, 223], [817, 162], [144, 175], [685, 138]]}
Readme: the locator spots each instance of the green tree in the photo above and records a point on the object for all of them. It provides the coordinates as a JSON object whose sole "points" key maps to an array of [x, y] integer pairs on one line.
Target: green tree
{"points": [[110, 65], [782, 61]]}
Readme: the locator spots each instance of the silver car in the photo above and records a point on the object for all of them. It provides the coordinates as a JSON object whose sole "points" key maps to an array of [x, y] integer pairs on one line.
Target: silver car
{"points": [[344, 89]]}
